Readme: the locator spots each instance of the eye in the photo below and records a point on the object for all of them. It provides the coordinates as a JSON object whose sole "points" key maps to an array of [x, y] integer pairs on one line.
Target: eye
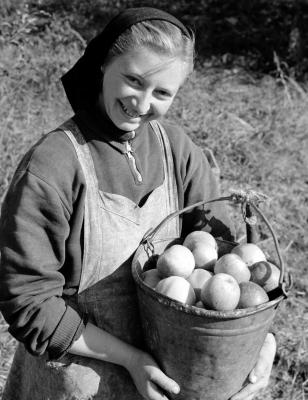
{"points": [[163, 93], [133, 80]]}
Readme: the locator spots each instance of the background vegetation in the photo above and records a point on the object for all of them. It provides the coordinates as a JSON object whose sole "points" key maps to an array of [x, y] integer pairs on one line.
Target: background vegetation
{"points": [[247, 101]]}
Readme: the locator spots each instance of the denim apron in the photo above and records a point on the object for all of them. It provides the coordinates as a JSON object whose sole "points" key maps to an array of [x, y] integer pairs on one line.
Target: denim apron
{"points": [[113, 228]]}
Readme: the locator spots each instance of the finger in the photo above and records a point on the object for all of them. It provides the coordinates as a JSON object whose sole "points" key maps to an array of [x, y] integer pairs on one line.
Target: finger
{"points": [[164, 382], [248, 398], [250, 390], [154, 392], [265, 359]]}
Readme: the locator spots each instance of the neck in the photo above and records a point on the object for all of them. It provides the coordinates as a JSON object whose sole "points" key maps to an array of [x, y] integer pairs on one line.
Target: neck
{"points": [[102, 123]]}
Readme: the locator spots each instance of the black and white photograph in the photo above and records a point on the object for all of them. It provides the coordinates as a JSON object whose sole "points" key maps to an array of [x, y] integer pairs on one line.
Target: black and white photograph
{"points": [[153, 200]]}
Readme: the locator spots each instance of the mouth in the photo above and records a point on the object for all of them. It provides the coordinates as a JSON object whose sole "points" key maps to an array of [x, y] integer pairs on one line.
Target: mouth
{"points": [[129, 113]]}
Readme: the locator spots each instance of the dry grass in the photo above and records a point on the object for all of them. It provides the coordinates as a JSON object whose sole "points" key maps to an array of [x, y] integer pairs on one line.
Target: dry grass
{"points": [[256, 126]]}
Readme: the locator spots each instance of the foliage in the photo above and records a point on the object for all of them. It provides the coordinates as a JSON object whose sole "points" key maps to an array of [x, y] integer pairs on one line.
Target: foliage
{"points": [[33, 57], [245, 33]]}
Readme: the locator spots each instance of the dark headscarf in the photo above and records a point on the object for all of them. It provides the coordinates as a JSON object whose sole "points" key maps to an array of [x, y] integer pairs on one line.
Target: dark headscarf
{"points": [[82, 82]]}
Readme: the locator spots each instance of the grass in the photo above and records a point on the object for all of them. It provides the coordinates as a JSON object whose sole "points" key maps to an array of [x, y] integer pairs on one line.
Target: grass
{"points": [[256, 126]]}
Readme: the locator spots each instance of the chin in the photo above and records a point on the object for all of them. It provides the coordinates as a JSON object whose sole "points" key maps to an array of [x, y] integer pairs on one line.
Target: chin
{"points": [[128, 126]]}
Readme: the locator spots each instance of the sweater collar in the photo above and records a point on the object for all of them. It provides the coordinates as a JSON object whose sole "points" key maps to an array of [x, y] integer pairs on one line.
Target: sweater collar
{"points": [[101, 128]]}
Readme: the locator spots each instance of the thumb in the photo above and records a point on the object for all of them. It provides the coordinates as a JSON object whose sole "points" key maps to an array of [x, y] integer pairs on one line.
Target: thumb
{"points": [[164, 382], [265, 359]]}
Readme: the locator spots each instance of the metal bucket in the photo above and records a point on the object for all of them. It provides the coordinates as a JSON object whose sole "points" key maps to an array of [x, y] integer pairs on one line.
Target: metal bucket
{"points": [[208, 353]]}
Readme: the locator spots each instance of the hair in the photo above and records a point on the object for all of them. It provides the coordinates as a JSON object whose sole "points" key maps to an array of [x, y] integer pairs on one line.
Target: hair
{"points": [[160, 36]]}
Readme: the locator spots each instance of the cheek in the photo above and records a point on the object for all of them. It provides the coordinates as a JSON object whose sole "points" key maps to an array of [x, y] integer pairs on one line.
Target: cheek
{"points": [[112, 88], [162, 108]]}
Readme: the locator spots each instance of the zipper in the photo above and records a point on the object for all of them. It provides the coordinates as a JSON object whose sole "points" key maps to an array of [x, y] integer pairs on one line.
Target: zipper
{"points": [[130, 155]]}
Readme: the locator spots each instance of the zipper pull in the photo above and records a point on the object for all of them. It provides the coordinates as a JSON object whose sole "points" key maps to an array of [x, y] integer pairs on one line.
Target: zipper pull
{"points": [[130, 154]]}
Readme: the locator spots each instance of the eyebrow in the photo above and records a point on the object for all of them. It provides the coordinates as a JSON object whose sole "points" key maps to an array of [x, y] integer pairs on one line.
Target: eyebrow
{"points": [[160, 66]]}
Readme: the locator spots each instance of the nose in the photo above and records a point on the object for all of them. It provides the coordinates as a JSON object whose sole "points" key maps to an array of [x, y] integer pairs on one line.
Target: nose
{"points": [[143, 102]]}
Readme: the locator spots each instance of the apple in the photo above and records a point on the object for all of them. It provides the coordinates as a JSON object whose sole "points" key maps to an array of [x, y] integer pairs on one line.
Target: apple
{"points": [[176, 260], [249, 252], [251, 295], [205, 256], [177, 288], [151, 277], [221, 292], [273, 281], [197, 279], [265, 274], [197, 237], [232, 264]]}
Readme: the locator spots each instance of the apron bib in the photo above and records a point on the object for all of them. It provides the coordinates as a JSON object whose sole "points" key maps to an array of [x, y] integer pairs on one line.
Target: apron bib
{"points": [[113, 229]]}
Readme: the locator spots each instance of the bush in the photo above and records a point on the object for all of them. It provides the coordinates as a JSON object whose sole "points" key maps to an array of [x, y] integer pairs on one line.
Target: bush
{"points": [[233, 32]]}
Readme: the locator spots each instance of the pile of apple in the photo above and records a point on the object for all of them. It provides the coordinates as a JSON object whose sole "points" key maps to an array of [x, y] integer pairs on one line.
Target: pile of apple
{"points": [[193, 274]]}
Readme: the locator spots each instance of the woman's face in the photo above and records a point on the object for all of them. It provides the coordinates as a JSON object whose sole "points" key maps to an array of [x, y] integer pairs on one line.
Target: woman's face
{"points": [[139, 86]]}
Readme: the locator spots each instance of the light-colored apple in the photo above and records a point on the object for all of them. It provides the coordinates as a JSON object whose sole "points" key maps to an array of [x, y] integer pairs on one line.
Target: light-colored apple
{"points": [[197, 237], [177, 288], [205, 256], [249, 252], [197, 279], [221, 292], [232, 264], [176, 260]]}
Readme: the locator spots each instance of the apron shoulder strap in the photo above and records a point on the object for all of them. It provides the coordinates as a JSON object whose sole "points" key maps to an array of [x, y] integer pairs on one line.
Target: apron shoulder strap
{"points": [[168, 164], [73, 132], [92, 229]]}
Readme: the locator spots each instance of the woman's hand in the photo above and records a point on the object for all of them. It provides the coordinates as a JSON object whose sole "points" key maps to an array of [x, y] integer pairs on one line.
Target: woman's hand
{"points": [[149, 379], [259, 376]]}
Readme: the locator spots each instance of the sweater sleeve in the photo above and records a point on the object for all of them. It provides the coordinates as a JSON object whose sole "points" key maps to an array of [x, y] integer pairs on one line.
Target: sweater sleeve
{"points": [[198, 182], [201, 183], [33, 228]]}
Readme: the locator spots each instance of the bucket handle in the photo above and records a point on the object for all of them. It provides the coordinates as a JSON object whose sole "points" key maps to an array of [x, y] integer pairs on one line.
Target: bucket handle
{"points": [[247, 199]]}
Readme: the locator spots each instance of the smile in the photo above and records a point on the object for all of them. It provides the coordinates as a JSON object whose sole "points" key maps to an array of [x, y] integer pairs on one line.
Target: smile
{"points": [[128, 112]]}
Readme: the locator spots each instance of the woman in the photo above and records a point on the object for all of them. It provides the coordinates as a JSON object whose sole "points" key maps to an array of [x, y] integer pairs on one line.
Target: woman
{"points": [[78, 206]]}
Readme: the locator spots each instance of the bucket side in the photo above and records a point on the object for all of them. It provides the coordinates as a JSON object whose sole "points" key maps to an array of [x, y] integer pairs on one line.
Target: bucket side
{"points": [[209, 361]]}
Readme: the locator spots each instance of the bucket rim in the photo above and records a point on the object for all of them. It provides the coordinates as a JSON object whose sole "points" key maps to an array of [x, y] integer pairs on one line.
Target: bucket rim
{"points": [[190, 309]]}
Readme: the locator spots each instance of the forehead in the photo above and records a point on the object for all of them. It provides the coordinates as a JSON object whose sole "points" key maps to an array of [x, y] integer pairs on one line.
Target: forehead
{"points": [[151, 66]]}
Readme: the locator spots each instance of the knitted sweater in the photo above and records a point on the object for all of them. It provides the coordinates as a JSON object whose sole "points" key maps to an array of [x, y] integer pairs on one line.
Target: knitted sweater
{"points": [[41, 227]]}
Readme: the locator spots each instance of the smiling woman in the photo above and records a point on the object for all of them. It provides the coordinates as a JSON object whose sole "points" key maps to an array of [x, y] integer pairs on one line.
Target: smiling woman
{"points": [[79, 204], [139, 86]]}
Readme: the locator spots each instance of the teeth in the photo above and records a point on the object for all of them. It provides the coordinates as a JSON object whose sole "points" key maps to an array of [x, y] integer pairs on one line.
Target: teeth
{"points": [[130, 114]]}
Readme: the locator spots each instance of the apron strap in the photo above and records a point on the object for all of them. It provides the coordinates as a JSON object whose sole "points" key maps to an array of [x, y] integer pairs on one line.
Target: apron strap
{"points": [[92, 227], [172, 189]]}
